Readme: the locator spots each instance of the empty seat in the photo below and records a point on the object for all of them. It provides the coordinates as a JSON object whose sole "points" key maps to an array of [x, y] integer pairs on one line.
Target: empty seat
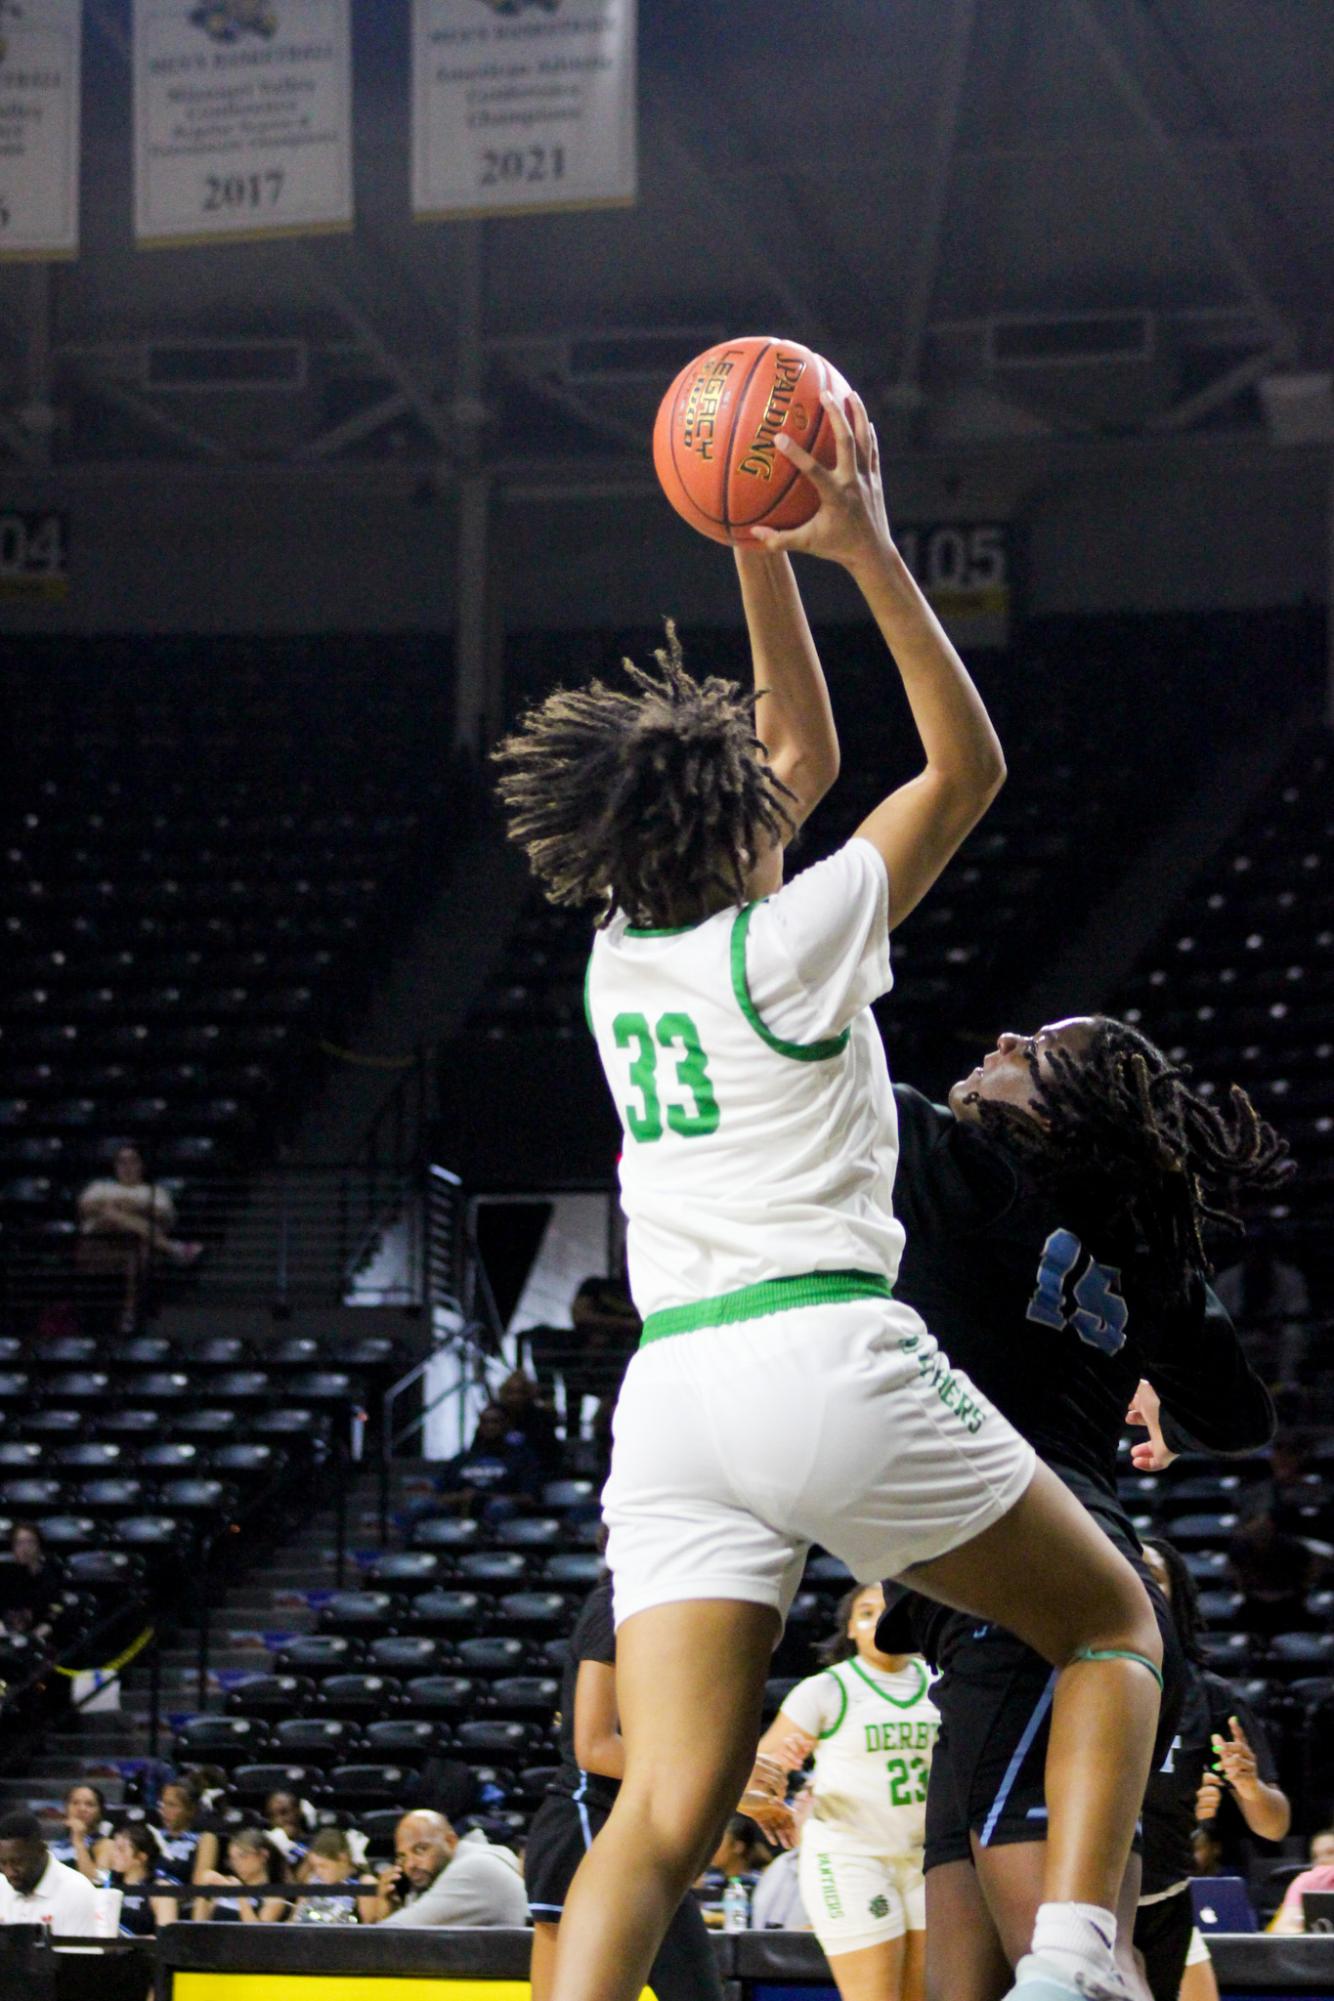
{"points": [[221, 1740], [271, 1695], [109, 1496], [357, 1612], [208, 1425], [405, 1569], [491, 1657], [405, 1654], [411, 1738], [27, 1494], [318, 1654], [536, 1532], [447, 1611], [568, 1493], [442, 1695], [193, 1496], [108, 1572], [315, 1740], [534, 1611], [1203, 1531], [94, 1454], [357, 1695], [496, 1567], [169, 1455], [244, 1458], [149, 1532], [445, 1533], [366, 1785], [521, 1695], [495, 1737], [68, 1531], [575, 1567]]}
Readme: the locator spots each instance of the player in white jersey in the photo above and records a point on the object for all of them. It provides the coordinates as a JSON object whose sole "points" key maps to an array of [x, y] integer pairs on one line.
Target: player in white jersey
{"points": [[781, 1396], [869, 1721]]}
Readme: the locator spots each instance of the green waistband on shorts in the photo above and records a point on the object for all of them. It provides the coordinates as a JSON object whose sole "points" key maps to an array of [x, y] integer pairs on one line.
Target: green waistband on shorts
{"points": [[772, 1295]]}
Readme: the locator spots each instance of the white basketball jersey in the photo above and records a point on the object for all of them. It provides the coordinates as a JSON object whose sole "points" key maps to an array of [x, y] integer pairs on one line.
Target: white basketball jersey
{"points": [[876, 1733], [760, 1129]]}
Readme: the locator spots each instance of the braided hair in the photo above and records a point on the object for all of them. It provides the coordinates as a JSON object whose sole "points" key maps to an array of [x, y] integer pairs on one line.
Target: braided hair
{"points": [[650, 800], [1119, 1128]]}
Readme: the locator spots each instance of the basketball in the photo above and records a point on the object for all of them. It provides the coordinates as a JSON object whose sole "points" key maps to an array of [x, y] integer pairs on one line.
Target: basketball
{"points": [[713, 442]]}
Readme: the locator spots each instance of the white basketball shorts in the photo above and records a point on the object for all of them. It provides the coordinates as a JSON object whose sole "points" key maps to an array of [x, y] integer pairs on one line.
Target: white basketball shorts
{"points": [[738, 1447], [857, 1900]]}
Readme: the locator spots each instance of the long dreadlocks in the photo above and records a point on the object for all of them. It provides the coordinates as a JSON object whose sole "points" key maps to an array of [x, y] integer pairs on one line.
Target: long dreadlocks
{"points": [[649, 800], [1118, 1125]]}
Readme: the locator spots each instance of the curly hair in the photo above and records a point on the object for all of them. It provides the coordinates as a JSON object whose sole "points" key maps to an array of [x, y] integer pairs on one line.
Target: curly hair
{"points": [[1119, 1126], [650, 800]]}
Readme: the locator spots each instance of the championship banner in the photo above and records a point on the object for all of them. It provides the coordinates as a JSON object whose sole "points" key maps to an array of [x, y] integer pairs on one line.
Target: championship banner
{"points": [[242, 119], [40, 46], [522, 106]]}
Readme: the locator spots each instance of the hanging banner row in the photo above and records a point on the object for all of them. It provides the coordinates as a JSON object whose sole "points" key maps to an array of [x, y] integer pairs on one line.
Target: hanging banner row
{"points": [[243, 115]]}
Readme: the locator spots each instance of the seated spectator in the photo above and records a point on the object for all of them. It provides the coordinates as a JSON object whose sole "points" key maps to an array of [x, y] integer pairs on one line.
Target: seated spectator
{"points": [[590, 1355], [186, 1849], [496, 1474], [125, 1221], [288, 1821], [32, 1587], [132, 1857], [743, 1852], [1273, 1571], [331, 1862], [1206, 1852], [84, 1844], [252, 1860], [531, 1419], [1291, 1918], [440, 1879], [35, 1889]]}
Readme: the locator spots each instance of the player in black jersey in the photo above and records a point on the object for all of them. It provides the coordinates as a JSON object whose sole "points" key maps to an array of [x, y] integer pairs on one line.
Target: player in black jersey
{"points": [[1054, 1217], [578, 1801], [1218, 1742]]}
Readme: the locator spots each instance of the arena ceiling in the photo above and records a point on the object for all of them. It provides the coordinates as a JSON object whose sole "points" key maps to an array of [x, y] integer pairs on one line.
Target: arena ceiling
{"points": [[1007, 220]]}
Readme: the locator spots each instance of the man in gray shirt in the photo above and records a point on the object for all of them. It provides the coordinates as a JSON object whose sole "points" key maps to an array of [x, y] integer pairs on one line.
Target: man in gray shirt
{"points": [[439, 1879]]}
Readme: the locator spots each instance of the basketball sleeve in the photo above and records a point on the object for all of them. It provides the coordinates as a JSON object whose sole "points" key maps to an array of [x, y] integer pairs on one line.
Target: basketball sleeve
{"points": [[816, 1705], [594, 1635], [1212, 1399], [811, 957]]}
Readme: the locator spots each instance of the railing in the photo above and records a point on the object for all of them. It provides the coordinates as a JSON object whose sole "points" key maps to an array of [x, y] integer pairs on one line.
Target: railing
{"points": [[296, 1236]]}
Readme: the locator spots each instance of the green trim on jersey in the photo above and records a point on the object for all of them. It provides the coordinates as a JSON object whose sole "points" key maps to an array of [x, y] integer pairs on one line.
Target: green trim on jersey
{"points": [[800, 1052], [899, 1702], [771, 1295], [837, 1679], [663, 931], [588, 995]]}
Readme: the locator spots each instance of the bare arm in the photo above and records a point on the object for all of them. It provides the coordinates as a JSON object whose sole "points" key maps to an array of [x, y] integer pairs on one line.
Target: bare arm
{"points": [[793, 717], [918, 827], [1265, 1808], [598, 1746], [783, 1747]]}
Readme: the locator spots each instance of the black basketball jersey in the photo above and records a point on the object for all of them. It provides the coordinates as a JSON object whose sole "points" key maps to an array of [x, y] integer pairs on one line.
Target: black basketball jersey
{"points": [[1169, 1802], [593, 1639], [1053, 1317]]}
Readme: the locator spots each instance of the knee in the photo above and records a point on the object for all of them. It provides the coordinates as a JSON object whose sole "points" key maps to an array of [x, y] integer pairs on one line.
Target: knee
{"points": [[1124, 1619]]}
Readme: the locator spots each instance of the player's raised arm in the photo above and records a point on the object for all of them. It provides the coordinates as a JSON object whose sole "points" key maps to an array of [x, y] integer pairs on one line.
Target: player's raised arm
{"points": [[793, 717], [918, 827]]}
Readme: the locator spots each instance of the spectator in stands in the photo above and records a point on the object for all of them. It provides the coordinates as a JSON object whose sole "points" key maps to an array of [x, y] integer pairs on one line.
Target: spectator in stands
{"points": [[32, 1586], [1273, 1572], [187, 1850], [742, 1851], [331, 1862], [85, 1843], [494, 1477], [777, 1904], [252, 1860], [1206, 1852], [1291, 1917], [591, 1354], [132, 1859], [531, 1419], [125, 1221], [35, 1889], [440, 1879], [288, 1822]]}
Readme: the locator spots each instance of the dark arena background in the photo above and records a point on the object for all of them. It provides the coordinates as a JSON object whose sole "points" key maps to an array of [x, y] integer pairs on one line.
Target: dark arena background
{"points": [[331, 338]]}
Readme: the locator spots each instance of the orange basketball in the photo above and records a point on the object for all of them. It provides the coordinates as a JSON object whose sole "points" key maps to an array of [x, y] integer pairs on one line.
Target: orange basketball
{"points": [[713, 442]]}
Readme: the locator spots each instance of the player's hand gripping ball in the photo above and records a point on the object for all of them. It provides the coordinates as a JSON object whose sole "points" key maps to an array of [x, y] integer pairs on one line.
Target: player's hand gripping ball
{"points": [[713, 442]]}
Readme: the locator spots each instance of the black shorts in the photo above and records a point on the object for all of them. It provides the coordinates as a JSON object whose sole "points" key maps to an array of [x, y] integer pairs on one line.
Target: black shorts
{"points": [[987, 1769], [1162, 1934], [560, 1836]]}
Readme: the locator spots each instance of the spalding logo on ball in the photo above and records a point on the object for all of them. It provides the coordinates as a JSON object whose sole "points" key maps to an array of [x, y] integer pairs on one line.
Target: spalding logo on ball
{"points": [[713, 442]]}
